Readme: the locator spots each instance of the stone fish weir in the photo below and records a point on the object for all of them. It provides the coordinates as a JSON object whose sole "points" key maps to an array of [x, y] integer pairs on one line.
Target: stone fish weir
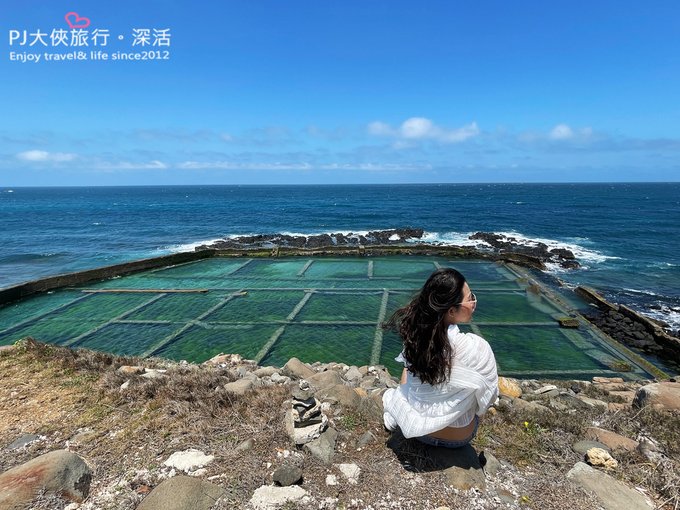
{"points": [[537, 254], [377, 243]]}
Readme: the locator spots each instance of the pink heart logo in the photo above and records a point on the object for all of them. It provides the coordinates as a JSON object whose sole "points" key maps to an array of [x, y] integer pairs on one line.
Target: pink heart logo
{"points": [[75, 21]]}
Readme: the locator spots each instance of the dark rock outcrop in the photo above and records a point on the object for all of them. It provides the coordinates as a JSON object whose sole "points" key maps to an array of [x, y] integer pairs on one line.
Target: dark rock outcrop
{"points": [[377, 237], [504, 244]]}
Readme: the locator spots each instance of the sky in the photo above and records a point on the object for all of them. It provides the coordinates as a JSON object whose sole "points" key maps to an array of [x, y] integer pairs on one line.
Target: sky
{"points": [[354, 91]]}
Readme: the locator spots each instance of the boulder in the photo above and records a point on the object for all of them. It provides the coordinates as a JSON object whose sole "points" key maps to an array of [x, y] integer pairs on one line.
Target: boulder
{"points": [[323, 380], [265, 371], [154, 373], [341, 394], [509, 387], [59, 472], [615, 442], [287, 474], [131, 370], [593, 402], [465, 469], [663, 395], [628, 396], [365, 439], [22, 441], [279, 379], [296, 369], [351, 472], [323, 448], [489, 463], [583, 446], [188, 460], [353, 375], [548, 388], [610, 493], [531, 407], [182, 493], [239, 387], [270, 497]]}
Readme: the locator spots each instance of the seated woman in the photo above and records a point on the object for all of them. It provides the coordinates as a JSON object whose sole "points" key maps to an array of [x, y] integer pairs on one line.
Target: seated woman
{"points": [[450, 379]]}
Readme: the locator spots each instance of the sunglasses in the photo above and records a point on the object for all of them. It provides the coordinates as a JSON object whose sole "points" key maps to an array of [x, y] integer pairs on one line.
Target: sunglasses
{"points": [[473, 299]]}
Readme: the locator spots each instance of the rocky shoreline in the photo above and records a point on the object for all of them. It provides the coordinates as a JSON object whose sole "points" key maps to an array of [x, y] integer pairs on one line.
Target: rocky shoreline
{"points": [[93, 431], [488, 243]]}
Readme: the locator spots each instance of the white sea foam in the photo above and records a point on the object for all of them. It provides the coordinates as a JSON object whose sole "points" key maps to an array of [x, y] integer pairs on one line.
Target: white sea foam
{"points": [[669, 315], [462, 239], [639, 291], [177, 248]]}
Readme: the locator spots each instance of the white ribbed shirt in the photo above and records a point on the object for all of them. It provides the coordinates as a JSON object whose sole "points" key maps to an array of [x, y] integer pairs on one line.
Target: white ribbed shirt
{"points": [[472, 386]]}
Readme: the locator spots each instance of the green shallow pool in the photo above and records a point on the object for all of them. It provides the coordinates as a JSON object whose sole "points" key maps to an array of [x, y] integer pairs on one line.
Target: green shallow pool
{"points": [[317, 309]]}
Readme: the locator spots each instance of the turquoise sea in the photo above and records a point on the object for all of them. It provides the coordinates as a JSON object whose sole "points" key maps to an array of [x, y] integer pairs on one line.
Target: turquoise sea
{"points": [[626, 236]]}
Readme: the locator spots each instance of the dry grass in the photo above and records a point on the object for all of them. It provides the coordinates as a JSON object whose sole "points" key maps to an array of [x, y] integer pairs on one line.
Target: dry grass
{"points": [[59, 392]]}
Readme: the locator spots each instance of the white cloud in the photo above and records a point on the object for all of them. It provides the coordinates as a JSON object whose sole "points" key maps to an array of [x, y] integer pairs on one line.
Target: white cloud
{"points": [[421, 128], [378, 128], [234, 165], [129, 165], [44, 156], [418, 127], [561, 132]]}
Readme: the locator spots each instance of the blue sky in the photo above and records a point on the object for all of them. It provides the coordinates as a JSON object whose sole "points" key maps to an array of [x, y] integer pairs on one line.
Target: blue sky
{"points": [[344, 92]]}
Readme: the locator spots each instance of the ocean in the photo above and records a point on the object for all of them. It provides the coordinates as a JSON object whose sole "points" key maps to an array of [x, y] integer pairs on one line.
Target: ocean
{"points": [[626, 236]]}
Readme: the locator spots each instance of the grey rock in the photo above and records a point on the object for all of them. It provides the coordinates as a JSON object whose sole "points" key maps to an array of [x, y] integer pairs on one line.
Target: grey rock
{"points": [[304, 434], [365, 439], [583, 446], [341, 394], [303, 395], [611, 493], [270, 497], [242, 371], [239, 387], [545, 389], [323, 380], [279, 379], [369, 381], [353, 375], [296, 369], [523, 405], [287, 474], [266, 371], [182, 493], [351, 472], [489, 463], [153, 373], [323, 448], [464, 469], [188, 460], [58, 472], [245, 445], [593, 402], [22, 441]]}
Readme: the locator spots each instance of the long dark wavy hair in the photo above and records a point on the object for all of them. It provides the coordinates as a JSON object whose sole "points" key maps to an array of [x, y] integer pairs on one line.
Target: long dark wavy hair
{"points": [[423, 329]]}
